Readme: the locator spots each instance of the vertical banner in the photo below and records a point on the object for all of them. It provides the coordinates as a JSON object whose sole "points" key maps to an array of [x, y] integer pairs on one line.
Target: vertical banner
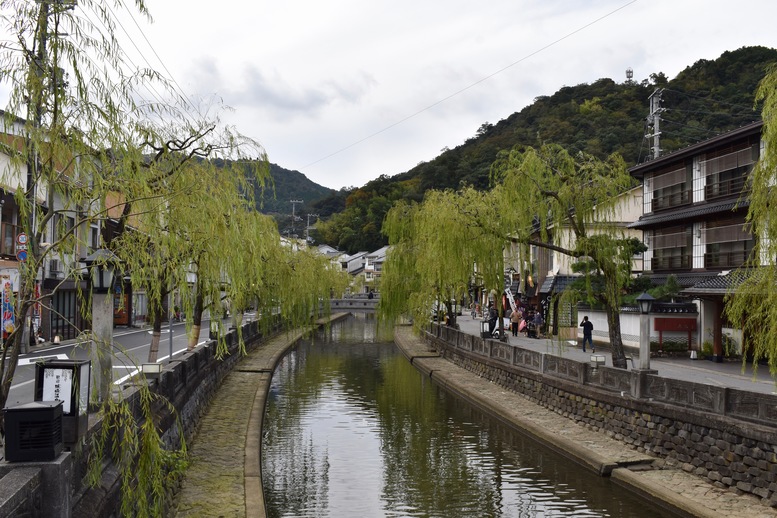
{"points": [[8, 321], [511, 299]]}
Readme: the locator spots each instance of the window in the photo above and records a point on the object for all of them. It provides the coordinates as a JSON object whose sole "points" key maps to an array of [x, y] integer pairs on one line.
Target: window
{"points": [[672, 248], [670, 186], [726, 170], [63, 225], [728, 244], [94, 237]]}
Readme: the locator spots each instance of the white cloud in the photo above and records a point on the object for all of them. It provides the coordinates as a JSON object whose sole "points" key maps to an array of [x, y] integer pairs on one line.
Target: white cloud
{"points": [[359, 89]]}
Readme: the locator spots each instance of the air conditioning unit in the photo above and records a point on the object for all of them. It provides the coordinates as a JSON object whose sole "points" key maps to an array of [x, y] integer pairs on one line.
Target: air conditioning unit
{"points": [[55, 269]]}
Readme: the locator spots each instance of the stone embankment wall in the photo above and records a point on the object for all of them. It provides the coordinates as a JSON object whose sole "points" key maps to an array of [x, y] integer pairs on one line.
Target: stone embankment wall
{"points": [[56, 489], [723, 434]]}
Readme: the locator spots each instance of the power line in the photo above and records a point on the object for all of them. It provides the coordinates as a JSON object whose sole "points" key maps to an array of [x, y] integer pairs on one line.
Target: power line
{"points": [[696, 128], [472, 85], [707, 98], [170, 74]]}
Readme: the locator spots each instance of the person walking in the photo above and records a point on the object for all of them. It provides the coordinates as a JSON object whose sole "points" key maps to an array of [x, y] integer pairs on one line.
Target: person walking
{"points": [[588, 327], [538, 323], [515, 320]]}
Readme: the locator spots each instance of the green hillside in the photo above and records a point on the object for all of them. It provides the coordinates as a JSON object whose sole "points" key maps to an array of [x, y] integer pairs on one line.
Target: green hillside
{"points": [[291, 185], [707, 98]]}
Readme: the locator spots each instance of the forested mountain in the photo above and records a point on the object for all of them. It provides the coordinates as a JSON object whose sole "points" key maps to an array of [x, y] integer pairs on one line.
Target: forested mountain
{"points": [[290, 185], [707, 98]]}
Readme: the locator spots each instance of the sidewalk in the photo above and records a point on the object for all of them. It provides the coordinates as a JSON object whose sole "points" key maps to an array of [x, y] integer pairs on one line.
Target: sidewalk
{"points": [[727, 374]]}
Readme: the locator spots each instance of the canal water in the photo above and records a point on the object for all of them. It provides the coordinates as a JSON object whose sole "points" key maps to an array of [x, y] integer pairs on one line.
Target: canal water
{"points": [[353, 430]]}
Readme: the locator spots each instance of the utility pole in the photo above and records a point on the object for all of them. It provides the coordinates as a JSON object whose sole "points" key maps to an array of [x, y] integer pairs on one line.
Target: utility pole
{"points": [[37, 75], [654, 120], [307, 228], [294, 215]]}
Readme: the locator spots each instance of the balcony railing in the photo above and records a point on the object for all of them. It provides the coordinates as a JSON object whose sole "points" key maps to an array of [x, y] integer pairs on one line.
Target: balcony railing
{"points": [[725, 259], [672, 200], [671, 262], [730, 187]]}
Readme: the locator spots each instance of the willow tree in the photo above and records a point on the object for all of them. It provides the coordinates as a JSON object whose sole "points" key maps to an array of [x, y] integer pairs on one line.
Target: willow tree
{"points": [[81, 140], [552, 199], [185, 232], [436, 248], [752, 303]]}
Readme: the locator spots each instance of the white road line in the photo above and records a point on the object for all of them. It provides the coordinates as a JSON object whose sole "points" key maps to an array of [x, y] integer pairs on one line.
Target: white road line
{"points": [[125, 378], [35, 359]]}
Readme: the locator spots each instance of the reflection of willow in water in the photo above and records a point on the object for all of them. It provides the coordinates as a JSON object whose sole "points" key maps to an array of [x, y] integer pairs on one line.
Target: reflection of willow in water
{"points": [[352, 429], [426, 462]]}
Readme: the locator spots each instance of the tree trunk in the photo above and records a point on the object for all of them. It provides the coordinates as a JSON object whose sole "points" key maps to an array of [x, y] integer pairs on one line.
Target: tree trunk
{"points": [[616, 342], [153, 350], [194, 332]]}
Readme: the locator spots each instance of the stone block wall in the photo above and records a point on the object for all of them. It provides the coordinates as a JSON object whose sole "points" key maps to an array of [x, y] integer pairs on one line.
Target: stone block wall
{"points": [[20, 492], [725, 435]]}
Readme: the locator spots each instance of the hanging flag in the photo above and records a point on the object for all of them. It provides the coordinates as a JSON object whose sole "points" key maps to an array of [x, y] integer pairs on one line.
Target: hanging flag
{"points": [[9, 324], [511, 299]]}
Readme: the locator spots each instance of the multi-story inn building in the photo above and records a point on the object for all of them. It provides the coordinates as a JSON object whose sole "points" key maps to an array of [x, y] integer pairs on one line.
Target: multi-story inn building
{"points": [[694, 208]]}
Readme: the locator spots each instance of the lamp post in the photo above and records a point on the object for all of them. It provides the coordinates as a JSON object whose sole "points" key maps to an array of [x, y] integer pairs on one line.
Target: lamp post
{"points": [[645, 302], [101, 265]]}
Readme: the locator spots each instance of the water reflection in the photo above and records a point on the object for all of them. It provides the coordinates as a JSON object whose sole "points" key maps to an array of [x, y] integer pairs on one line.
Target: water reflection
{"points": [[352, 429]]}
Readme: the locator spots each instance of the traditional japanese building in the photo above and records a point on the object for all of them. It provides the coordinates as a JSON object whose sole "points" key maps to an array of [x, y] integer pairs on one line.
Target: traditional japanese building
{"points": [[694, 207]]}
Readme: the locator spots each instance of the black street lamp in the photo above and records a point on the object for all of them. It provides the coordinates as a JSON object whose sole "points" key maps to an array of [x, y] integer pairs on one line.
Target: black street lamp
{"points": [[101, 265], [645, 302]]}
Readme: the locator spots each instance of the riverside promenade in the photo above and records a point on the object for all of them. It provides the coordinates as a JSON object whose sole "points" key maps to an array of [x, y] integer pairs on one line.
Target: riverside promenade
{"points": [[726, 374]]}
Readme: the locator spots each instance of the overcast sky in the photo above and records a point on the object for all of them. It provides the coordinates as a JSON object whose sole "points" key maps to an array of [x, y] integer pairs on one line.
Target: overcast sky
{"points": [[346, 90]]}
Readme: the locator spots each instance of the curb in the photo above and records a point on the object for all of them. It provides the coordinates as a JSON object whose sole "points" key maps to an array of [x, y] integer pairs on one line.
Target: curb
{"points": [[657, 494]]}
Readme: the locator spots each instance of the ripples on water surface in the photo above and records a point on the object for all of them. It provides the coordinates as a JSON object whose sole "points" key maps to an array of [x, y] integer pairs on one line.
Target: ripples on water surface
{"points": [[353, 430]]}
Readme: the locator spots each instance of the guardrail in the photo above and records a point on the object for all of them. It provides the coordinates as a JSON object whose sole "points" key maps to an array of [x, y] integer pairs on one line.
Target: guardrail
{"points": [[354, 304]]}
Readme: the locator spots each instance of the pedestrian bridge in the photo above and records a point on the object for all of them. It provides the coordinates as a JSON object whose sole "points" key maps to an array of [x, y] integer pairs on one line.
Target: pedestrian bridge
{"points": [[354, 304]]}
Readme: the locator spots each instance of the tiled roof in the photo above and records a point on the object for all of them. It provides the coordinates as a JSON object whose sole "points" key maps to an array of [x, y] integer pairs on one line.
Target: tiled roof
{"points": [[693, 212], [719, 284], [557, 283], [639, 171], [685, 280]]}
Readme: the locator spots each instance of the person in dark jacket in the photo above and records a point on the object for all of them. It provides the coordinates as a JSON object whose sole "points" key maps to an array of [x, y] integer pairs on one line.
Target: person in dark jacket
{"points": [[588, 328], [493, 316], [538, 323]]}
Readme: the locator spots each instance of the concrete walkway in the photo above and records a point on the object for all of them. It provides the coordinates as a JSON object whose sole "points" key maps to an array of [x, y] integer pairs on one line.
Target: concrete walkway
{"points": [[662, 482], [725, 374]]}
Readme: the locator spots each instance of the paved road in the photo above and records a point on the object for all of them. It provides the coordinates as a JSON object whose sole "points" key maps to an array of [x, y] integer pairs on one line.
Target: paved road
{"points": [[130, 351], [727, 374]]}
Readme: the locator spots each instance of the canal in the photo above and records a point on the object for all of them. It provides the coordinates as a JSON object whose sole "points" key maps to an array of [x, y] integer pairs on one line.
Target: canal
{"points": [[352, 429]]}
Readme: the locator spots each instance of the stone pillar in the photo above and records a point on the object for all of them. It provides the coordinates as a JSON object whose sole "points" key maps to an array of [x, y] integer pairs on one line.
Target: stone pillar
{"points": [[102, 345]]}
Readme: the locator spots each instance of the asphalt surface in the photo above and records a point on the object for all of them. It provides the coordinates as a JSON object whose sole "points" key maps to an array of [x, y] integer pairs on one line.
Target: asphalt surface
{"points": [[731, 374]]}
